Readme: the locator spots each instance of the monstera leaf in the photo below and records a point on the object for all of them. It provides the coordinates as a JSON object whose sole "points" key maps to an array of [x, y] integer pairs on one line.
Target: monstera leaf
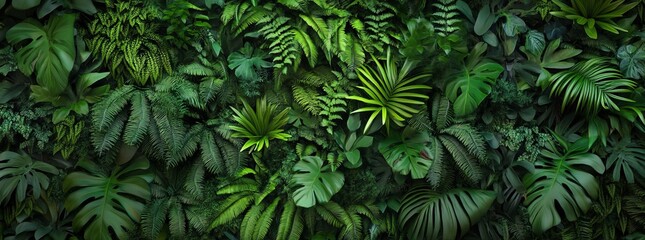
{"points": [[50, 53], [558, 184], [627, 159], [316, 183], [247, 61], [107, 203], [469, 86], [407, 155], [426, 214], [18, 172], [632, 60]]}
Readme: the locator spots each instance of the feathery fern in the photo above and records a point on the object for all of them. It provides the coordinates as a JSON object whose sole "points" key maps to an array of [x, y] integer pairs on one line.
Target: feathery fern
{"points": [[282, 43], [460, 142], [125, 37], [379, 28], [446, 19]]}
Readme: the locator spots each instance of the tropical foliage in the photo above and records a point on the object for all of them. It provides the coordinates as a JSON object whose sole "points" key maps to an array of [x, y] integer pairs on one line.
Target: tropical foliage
{"points": [[322, 119]]}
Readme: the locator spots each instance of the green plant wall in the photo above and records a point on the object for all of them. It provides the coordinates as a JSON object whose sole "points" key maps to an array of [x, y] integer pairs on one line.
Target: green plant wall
{"points": [[322, 119]]}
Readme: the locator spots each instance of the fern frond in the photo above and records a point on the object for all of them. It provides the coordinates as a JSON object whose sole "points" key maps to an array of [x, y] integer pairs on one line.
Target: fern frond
{"points": [[331, 212], [195, 179], [353, 228], [307, 46], [307, 98], [210, 153], [282, 42], [470, 138], [297, 226], [104, 111], [351, 52], [197, 220], [265, 220], [446, 17], [438, 168], [105, 140], [287, 220], [153, 218], [250, 221], [466, 163], [442, 113], [231, 208], [196, 69], [139, 119], [177, 220]]}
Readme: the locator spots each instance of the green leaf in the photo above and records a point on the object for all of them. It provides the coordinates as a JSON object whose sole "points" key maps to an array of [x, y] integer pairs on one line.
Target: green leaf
{"points": [[247, 61], [24, 4], [626, 159], [260, 125], [535, 42], [315, 183], [107, 203], [426, 214], [592, 85], [632, 60], [18, 172], [407, 155], [514, 25], [485, 20], [390, 93], [469, 87], [50, 53], [559, 184], [60, 114]]}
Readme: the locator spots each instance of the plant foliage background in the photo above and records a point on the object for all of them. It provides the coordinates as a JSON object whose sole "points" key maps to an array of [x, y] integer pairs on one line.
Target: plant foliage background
{"points": [[322, 119]]}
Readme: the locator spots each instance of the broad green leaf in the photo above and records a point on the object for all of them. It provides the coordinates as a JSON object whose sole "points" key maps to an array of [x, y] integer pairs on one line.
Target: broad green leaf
{"points": [[632, 60], [407, 155], [626, 159], [426, 214], [558, 183], [24, 4], [469, 87], [485, 20], [247, 61], [50, 53], [18, 172], [107, 203], [514, 25], [315, 183], [535, 42]]}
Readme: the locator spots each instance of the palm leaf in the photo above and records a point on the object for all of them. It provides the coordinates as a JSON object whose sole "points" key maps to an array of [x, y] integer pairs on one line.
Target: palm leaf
{"points": [[425, 214], [591, 85]]}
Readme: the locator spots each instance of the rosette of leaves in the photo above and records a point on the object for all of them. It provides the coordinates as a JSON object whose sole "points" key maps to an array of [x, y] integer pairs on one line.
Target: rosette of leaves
{"points": [[390, 92], [350, 144], [107, 202], [592, 13], [260, 125]]}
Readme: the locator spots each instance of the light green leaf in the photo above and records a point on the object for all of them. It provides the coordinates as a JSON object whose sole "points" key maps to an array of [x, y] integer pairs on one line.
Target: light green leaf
{"points": [[315, 183]]}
